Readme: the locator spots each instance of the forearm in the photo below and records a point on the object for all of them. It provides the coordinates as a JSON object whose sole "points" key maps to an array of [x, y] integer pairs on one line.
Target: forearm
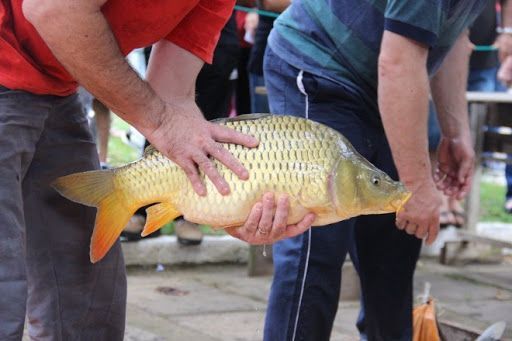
{"points": [[81, 39], [277, 6], [506, 13], [403, 102], [448, 88]]}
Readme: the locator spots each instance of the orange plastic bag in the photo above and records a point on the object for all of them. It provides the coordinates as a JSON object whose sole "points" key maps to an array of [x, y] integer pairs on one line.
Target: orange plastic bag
{"points": [[424, 322]]}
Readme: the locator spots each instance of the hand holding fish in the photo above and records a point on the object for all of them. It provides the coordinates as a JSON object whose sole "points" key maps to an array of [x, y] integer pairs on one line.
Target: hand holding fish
{"points": [[265, 227], [420, 215], [185, 137], [454, 171]]}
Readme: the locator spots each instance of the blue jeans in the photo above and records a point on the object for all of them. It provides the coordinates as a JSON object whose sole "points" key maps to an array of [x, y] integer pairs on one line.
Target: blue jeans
{"points": [[259, 103], [485, 80], [306, 285]]}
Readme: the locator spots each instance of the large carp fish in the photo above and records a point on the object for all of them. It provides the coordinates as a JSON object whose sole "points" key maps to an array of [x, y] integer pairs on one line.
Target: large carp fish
{"points": [[314, 165]]}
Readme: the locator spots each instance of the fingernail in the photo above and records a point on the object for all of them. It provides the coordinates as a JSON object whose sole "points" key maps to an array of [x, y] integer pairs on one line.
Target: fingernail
{"points": [[244, 174], [202, 191]]}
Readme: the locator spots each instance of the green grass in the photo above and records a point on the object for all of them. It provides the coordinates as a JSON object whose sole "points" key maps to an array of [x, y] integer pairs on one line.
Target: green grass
{"points": [[492, 199], [120, 153]]}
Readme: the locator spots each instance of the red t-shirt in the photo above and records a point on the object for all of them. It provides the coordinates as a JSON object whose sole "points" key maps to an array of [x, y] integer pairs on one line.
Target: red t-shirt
{"points": [[26, 62]]}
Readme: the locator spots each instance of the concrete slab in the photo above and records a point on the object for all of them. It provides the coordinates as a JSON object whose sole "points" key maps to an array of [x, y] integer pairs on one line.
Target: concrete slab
{"points": [[166, 250]]}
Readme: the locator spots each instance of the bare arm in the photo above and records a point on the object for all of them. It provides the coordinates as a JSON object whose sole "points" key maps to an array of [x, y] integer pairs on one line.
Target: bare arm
{"points": [[403, 101], [504, 44], [504, 40], [277, 6], [455, 153], [80, 37], [403, 93]]}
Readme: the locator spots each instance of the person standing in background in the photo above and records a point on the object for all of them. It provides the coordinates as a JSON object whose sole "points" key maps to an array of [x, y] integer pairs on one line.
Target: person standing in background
{"points": [[366, 70], [259, 102]]}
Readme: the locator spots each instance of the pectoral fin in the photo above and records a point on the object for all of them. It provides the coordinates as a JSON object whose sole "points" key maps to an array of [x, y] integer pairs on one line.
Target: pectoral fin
{"points": [[158, 215]]}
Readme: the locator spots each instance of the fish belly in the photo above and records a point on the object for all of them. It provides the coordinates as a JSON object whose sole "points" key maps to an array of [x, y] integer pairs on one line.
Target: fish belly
{"points": [[295, 157]]}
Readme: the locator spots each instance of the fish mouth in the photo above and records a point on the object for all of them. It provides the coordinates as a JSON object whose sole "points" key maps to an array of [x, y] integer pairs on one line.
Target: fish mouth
{"points": [[398, 204]]}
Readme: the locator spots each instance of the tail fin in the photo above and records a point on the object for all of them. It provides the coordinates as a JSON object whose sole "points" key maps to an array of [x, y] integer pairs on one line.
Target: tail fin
{"points": [[96, 188]]}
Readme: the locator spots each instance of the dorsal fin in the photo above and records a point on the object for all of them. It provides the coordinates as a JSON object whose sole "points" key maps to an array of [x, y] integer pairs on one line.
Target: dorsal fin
{"points": [[149, 150], [246, 117]]}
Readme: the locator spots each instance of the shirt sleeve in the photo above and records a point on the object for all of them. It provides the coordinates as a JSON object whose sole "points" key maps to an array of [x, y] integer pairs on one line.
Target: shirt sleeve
{"points": [[199, 31], [419, 20]]}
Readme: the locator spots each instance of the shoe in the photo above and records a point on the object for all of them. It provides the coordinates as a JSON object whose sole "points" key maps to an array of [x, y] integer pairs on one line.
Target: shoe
{"points": [[132, 230], [188, 233], [508, 205], [446, 219], [459, 218]]}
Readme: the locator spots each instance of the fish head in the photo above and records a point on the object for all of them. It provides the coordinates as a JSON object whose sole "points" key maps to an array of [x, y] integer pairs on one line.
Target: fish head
{"points": [[361, 188]]}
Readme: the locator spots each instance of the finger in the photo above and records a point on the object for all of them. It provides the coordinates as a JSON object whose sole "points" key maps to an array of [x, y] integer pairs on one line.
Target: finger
{"points": [[433, 230], [235, 232], [466, 185], [280, 218], [190, 170], [224, 134], [463, 191], [251, 224], [421, 231], [300, 227], [265, 223], [224, 156], [209, 169], [410, 228], [400, 222], [465, 170]]}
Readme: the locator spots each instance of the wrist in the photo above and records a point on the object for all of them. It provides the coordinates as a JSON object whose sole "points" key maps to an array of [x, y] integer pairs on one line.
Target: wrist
{"points": [[149, 123], [504, 30], [414, 183]]}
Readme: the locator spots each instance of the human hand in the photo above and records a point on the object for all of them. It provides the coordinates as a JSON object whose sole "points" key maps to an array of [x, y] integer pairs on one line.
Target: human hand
{"points": [[420, 215], [263, 226], [185, 137], [455, 165], [505, 72], [250, 25], [504, 45]]}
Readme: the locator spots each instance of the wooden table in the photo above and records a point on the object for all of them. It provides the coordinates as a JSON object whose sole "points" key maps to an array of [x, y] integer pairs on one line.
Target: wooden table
{"points": [[478, 113]]}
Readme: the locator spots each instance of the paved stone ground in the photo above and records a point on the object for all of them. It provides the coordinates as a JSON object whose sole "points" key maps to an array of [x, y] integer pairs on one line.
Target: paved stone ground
{"points": [[219, 302], [210, 303]]}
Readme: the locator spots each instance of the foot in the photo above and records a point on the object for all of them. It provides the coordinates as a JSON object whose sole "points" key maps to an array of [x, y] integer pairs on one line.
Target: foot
{"points": [[508, 205], [446, 219], [460, 218], [458, 212], [188, 233], [132, 230]]}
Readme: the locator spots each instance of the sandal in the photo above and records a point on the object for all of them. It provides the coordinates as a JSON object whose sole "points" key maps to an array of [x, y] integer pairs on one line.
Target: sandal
{"points": [[446, 219], [459, 218]]}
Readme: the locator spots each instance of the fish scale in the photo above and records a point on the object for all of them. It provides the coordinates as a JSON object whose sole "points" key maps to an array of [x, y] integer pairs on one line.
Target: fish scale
{"points": [[315, 166]]}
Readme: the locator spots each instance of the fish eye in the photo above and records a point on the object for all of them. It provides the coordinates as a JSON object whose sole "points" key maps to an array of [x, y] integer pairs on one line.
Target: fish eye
{"points": [[376, 180]]}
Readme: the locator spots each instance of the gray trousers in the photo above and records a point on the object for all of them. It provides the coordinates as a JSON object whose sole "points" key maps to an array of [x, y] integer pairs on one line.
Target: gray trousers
{"points": [[45, 272]]}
